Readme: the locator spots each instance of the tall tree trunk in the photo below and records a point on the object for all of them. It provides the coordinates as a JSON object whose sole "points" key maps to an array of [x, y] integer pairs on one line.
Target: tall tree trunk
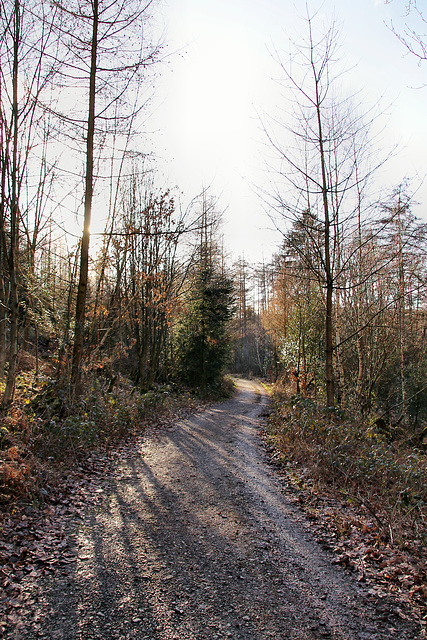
{"points": [[361, 373], [14, 217], [329, 347], [401, 280], [4, 289], [84, 252]]}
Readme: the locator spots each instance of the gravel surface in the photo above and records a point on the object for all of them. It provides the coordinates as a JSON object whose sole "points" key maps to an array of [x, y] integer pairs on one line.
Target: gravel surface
{"points": [[193, 538]]}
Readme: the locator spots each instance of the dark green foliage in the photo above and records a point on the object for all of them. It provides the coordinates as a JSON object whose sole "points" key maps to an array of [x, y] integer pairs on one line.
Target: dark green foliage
{"points": [[202, 344]]}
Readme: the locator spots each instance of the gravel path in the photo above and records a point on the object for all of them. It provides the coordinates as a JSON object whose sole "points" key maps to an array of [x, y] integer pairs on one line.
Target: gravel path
{"points": [[193, 539]]}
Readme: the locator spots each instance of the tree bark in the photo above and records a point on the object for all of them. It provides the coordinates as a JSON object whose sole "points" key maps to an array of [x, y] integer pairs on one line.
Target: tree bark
{"points": [[329, 347], [14, 217], [84, 251]]}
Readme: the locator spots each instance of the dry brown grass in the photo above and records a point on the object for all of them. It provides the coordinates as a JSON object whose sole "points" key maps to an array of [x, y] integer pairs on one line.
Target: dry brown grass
{"points": [[389, 479]]}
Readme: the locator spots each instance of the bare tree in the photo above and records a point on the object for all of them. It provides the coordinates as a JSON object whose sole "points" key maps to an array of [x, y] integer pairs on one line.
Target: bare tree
{"points": [[413, 34], [324, 160], [107, 55], [26, 74]]}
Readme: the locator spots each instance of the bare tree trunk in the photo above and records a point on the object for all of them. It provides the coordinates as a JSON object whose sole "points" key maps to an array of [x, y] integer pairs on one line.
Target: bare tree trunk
{"points": [[401, 280], [84, 251], [329, 350], [361, 373], [4, 159], [14, 217]]}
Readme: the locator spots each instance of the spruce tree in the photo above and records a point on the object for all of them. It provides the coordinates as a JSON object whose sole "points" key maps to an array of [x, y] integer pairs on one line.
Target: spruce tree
{"points": [[203, 344]]}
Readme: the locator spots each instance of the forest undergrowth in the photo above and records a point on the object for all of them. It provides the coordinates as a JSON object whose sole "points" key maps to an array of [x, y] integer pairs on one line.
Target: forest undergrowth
{"points": [[54, 448], [46, 433], [364, 491]]}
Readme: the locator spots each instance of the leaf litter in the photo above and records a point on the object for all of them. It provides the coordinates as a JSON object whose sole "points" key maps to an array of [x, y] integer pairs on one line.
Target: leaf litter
{"points": [[351, 534], [35, 546]]}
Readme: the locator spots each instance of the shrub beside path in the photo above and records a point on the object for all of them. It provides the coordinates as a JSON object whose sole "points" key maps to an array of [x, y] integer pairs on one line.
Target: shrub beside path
{"points": [[191, 537]]}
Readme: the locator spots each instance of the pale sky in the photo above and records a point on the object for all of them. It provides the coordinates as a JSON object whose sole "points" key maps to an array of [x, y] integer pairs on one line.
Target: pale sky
{"points": [[214, 88]]}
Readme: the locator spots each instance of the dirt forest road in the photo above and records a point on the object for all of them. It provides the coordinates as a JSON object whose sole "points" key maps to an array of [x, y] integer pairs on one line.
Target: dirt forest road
{"points": [[193, 540]]}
